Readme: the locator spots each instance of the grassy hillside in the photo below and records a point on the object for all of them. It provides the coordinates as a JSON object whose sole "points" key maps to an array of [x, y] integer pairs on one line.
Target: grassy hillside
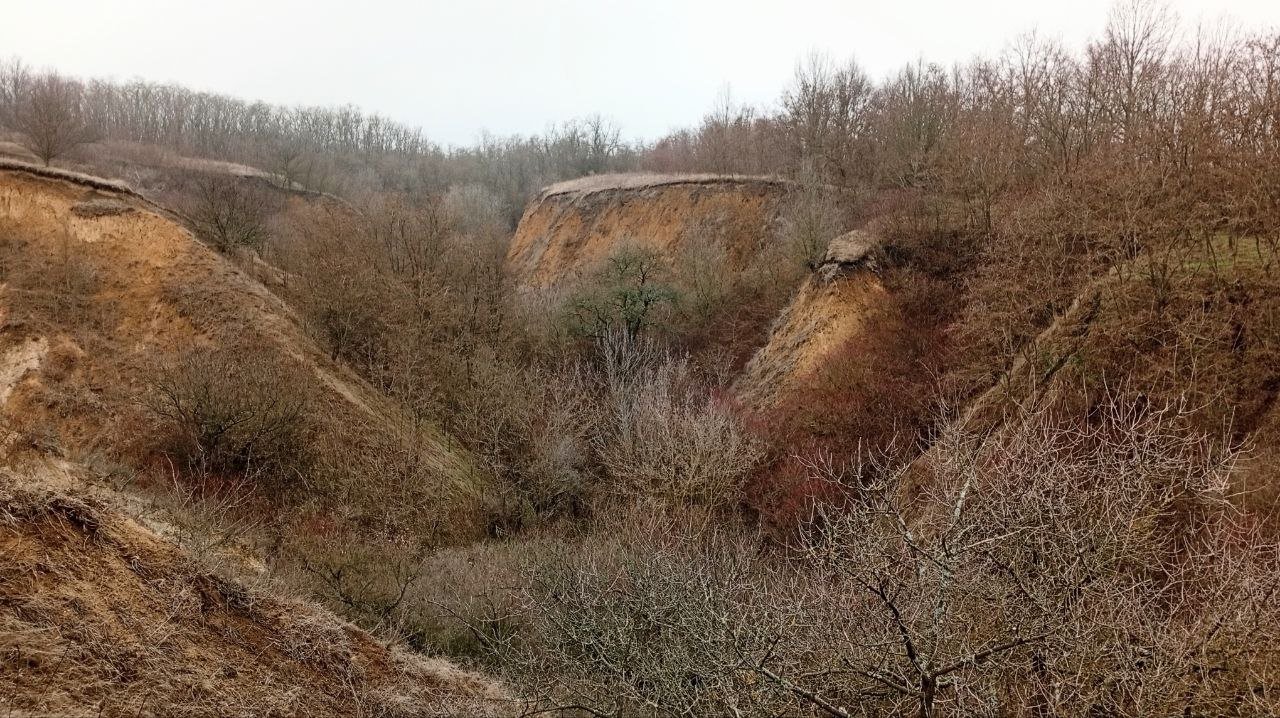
{"points": [[103, 617]]}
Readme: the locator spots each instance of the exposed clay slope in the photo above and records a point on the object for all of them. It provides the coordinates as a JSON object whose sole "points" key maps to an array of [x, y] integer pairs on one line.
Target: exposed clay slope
{"points": [[828, 311], [111, 285], [101, 617], [574, 225]]}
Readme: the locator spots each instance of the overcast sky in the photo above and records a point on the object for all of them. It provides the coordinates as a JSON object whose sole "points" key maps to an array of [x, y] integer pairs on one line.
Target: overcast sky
{"points": [[462, 66]]}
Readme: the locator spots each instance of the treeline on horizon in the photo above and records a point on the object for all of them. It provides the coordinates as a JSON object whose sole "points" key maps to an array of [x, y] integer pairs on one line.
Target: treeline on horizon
{"points": [[1144, 92]]}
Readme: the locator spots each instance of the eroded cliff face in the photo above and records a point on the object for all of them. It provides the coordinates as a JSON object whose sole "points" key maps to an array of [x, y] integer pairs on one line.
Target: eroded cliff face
{"points": [[573, 226], [829, 311], [107, 283]]}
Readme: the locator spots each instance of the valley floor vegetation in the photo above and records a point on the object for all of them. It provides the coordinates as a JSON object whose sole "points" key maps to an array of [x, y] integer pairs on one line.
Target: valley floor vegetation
{"points": [[1042, 482]]}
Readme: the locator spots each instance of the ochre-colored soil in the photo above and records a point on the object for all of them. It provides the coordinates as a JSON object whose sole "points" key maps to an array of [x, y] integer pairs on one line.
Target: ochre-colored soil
{"points": [[570, 228], [823, 318], [829, 312], [98, 614]]}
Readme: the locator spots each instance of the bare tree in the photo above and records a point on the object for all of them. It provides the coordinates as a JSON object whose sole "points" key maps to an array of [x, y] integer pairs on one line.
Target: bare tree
{"points": [[1133, 57], [14, 79], [825, 114], [50, 118], [811, 217], [915, 110], [229, 212]]}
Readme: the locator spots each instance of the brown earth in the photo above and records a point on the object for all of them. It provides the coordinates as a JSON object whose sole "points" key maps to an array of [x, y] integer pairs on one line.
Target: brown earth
{"points": [[572, 226], [112, 285], [98, 614], [828, 312], [101, 617]]}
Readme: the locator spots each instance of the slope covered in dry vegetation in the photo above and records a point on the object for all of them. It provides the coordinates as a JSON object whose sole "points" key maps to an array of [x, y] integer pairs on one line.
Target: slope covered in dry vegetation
{"points": [[131, 307], [103, 617], [116, 326], [952, 393]]}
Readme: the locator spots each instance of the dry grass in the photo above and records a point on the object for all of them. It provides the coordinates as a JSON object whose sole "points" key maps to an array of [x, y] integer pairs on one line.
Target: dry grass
{"points": [[101, 617]]}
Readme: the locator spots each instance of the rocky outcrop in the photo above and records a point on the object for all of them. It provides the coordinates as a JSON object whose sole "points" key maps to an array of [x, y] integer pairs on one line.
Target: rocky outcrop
{"points": [[850, 252], [828, 311]]}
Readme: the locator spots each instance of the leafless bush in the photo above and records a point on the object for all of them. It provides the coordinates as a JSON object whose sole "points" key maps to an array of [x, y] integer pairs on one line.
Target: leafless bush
{"points": [[228, 412], [470, 606], [229, 212], [1033, 570], [1056, 568], [725, 301], [424, 313], [341, 287], [668, 440], [213, 520], [365, 581], [643, 620], [538, 436], [701, 272]]}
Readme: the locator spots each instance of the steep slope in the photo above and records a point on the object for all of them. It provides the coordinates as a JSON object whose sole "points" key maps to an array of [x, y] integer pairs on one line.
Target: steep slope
{"points": [[829, 311], [100, 290], [1197, 332], [112, 285], [573, 225], [101, 617]]}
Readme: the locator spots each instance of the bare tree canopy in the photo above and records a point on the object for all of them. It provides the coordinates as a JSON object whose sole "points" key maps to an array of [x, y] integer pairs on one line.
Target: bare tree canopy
{"points": [[48, 112]]}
